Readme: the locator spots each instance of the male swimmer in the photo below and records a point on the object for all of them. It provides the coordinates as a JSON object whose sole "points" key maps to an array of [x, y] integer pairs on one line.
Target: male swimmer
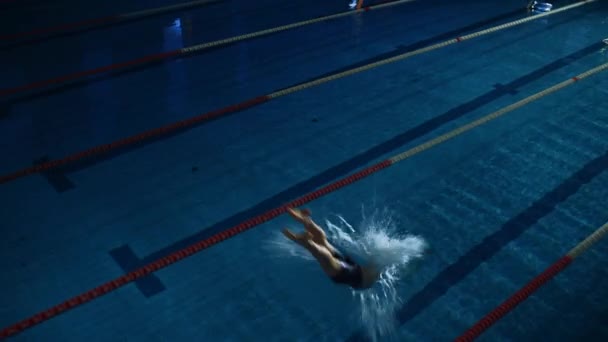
{"points": [[339, 268]]}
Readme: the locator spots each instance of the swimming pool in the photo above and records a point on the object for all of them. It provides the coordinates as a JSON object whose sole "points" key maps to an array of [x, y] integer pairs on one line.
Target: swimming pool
{"points": [[497, 204]]}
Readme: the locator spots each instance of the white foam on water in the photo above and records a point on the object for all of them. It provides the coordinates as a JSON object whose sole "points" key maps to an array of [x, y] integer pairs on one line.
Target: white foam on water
{"points": [[377, 240]]}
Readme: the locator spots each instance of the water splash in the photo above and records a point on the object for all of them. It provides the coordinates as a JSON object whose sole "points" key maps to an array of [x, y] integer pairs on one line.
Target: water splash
{"points": [[377, 240]]}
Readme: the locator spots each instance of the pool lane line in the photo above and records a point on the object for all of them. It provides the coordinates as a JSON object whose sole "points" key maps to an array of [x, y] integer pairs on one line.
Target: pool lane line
{"points": [[103, 21], [420, 51], [271, 214], [188, 123], [163, 56], [526, 291]]}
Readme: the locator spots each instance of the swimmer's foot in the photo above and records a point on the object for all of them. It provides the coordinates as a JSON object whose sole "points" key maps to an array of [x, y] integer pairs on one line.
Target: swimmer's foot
{"points": [[302, 216]]}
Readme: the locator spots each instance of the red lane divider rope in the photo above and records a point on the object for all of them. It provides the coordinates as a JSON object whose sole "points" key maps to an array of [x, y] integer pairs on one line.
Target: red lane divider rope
{"points": [[113, 19], [141, 137], [184, 253], [513, 301], [82, 74], [525, 292]]}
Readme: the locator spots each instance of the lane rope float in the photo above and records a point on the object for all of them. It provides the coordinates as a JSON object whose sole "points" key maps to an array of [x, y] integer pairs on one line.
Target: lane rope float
{"points": [[157, 132], [159, 57], [522, 294], [269, 215]]}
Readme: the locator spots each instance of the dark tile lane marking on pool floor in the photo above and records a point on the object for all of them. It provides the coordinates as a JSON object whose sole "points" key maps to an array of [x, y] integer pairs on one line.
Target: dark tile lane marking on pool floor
{"points": [[56, 178], [401, 49], [127, 258], [492, 244], [128, 261], [503, 88]]}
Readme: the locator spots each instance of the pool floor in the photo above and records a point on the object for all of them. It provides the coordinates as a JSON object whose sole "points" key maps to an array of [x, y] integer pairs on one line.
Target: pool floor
{"points": [[497, 204]]}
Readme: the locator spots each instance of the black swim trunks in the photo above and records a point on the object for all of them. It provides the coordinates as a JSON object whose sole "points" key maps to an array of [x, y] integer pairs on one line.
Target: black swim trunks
{"points": [[350, 272]]}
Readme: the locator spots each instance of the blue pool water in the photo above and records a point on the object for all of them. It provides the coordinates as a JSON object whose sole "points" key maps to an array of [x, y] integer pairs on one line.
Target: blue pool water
{"points": [[496, 205]]}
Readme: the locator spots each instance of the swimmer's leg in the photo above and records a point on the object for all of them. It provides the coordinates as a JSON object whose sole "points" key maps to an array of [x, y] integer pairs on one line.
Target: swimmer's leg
{"points": [[318, 234], [329, 264], [301, 239]]}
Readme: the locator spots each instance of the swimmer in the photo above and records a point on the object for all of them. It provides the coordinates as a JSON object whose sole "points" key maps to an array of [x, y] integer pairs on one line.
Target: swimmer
{"points": [[339, 268]]}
